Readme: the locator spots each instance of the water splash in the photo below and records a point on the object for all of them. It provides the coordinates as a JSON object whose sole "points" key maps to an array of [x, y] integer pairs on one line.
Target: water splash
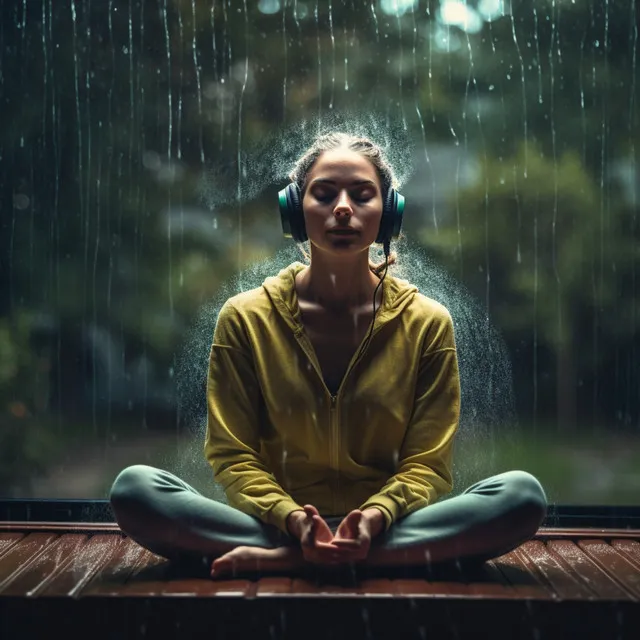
{"points": [[272, 158]]}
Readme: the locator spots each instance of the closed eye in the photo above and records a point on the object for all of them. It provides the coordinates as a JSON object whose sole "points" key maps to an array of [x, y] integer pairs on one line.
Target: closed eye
{"points": [[328, 198]]}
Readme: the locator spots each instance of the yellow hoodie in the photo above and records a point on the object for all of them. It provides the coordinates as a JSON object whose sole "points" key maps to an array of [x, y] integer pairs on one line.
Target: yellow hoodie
{"points": [[277, 438]]}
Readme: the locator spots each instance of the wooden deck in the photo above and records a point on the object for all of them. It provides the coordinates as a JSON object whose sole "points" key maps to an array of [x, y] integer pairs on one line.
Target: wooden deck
{"points": [[92, 580]]}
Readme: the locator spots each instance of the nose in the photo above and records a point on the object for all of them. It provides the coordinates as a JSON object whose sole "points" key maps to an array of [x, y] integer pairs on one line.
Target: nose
{"points": [[343, 204]]}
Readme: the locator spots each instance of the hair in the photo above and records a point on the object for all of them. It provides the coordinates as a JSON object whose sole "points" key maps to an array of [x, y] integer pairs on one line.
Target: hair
{"points": [[366, 148]]}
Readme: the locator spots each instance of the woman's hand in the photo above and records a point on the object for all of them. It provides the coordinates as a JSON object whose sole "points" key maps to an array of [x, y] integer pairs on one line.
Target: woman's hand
{"points": [[354, 534], [317, 541]]}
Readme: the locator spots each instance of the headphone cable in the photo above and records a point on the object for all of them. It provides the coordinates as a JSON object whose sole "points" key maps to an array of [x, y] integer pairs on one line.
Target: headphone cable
{"points": [[386, 246]]}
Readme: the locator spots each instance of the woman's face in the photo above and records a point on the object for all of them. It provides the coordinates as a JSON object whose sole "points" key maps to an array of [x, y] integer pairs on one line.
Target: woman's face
{"points": [[343, 192]]}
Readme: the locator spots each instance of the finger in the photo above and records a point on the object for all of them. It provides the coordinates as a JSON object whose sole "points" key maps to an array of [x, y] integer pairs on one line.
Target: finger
{"points": [[330, 554], [323, 532], [346, 543], [328, 546], [351, 524], [308, 535]]}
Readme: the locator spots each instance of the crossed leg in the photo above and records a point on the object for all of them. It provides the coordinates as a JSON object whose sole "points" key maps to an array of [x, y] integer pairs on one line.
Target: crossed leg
{"points": [[490, 518]]}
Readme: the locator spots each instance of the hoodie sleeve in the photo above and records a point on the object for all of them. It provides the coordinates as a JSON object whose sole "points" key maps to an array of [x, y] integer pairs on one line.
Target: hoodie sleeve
{"points": [[425, 459], [232, 445]]}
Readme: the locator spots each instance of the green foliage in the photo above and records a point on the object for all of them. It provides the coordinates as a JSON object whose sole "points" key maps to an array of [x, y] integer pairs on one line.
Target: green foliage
{"points": [[536, 229], [26, 440]]}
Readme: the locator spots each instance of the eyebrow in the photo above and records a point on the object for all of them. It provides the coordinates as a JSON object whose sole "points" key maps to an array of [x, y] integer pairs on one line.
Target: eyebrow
{"points": [[371, 182]]}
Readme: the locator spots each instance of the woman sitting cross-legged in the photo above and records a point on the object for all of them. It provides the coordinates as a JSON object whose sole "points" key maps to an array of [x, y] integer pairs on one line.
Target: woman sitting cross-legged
{"points": [[333, 401]]}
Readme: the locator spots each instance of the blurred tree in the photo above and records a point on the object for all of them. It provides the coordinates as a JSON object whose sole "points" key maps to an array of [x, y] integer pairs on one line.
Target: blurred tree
{"points": [[534, 248], [26, 445]]}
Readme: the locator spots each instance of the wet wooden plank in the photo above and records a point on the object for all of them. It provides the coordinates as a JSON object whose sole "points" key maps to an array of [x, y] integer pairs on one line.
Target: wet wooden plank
{"points": [[596, 579], [332, 589], [488, 582], [272, 586], [80, 570], [630, 549], [45, 567], [326, 582], [418, 587], [201, 587], [547, 533], [7, 540], [303, 586], [520, 574], [154, 575], [613, 563], [321, 585], [68, 527], [556, 572], [482, 580], [205, 586], [112, 576], [18, 558], [376, 587], [235, 588], [432, 580], [148, 575]]}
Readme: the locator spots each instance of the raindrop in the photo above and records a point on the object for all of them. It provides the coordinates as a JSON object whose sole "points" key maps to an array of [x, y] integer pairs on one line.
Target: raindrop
{"points": [[21, 201], [269, 7]]}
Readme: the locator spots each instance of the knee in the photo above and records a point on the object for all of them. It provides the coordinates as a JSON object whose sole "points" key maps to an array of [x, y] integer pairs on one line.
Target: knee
{"points": [[130, 484], [527, 496]]}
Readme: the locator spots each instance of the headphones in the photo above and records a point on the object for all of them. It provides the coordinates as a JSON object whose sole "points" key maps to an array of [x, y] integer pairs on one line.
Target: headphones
{"points": [[292, 216]]}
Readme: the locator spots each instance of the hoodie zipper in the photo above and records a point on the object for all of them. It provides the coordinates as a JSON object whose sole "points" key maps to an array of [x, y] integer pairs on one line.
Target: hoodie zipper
{"points": [[336, 452], [335, 432]]}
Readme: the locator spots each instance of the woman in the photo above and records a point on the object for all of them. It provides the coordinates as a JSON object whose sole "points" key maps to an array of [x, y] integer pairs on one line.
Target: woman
{"points": [[332, 448]]}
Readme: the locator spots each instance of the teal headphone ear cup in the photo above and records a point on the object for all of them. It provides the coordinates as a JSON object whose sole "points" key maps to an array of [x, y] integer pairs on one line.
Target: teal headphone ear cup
{"points": [[292, 216], [391, 220]]}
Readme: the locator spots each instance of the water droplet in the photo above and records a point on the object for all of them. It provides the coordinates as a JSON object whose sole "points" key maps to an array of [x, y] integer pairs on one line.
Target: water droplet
{"points": [[21, 201]]}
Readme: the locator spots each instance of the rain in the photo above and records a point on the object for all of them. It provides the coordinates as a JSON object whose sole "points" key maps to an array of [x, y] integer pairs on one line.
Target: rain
{"points": [[142, 148]]}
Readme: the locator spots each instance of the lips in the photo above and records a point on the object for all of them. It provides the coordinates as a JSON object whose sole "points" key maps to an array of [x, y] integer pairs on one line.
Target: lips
{"points": [[344, 233]]}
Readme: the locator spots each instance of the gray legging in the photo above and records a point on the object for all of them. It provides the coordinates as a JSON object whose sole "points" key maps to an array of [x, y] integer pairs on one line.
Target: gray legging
{"points": [[170, 518]]}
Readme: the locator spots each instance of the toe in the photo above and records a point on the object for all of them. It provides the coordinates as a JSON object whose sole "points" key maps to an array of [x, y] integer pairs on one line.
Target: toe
{"points": [[218, 565]]}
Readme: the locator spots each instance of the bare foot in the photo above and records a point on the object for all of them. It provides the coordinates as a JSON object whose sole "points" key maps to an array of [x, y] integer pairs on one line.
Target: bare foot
{"points": [[256, 559]]}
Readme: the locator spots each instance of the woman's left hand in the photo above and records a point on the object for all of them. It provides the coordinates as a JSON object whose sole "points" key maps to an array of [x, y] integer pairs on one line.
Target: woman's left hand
{"points": [[354, 533]]}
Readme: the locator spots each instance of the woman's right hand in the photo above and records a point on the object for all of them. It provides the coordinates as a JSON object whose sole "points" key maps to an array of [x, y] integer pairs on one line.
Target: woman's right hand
{"points": [[316, 539]]}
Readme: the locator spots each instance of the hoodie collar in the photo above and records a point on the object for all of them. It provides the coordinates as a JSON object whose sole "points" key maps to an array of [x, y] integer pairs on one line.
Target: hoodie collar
{"points": [[396, 295]]}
